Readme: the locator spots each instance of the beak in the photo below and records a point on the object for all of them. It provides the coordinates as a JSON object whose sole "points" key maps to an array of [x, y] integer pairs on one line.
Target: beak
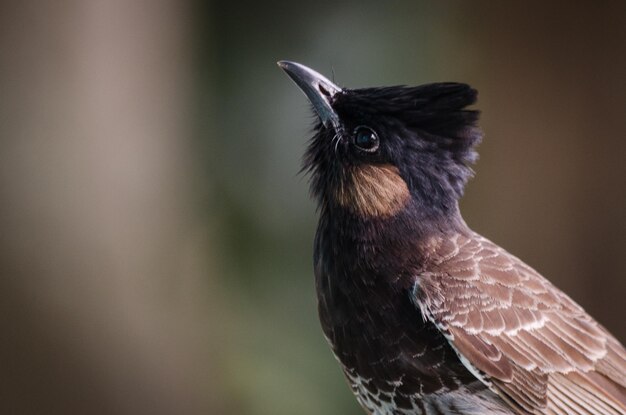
{"points": [[317, 88]]}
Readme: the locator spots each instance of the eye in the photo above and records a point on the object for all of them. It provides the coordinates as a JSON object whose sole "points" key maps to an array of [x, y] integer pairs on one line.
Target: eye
{"points": [[366, 139]]}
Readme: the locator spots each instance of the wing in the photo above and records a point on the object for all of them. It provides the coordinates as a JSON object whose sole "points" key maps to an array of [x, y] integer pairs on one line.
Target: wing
{"points": [[524, 338]]}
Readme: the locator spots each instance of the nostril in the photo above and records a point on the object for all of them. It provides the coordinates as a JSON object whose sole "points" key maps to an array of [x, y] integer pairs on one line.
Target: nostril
{"points": [[323, 90]]}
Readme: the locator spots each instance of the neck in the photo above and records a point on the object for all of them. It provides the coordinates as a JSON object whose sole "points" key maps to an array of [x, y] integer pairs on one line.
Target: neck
{"points": [[353, 245], [412, 225]]}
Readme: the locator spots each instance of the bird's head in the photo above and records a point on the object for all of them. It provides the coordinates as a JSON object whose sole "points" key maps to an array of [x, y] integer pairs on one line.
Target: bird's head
{"points": [[380, 151]]}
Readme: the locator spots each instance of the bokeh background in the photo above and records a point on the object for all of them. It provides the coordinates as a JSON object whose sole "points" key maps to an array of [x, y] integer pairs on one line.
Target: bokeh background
{"points": [[156, 237]]}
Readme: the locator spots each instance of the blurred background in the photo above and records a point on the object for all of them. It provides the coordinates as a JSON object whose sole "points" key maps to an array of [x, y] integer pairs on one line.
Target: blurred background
{"points": [[156, 237]]}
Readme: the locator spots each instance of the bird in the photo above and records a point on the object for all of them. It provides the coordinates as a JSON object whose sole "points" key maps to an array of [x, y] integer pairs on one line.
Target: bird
{"points": [[424, 315]]}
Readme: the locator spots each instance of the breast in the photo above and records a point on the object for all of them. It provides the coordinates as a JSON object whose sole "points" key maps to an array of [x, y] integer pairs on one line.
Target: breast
{"points": [[379, 335], [394, 362], [391, 356]]}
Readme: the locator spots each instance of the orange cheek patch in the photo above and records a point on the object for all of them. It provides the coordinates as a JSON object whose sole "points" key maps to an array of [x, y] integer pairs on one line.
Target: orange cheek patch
{"points": [[373, 191]]}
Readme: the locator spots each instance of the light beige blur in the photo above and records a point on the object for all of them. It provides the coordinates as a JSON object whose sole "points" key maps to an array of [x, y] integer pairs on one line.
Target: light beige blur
{"points": [[104, 262]]}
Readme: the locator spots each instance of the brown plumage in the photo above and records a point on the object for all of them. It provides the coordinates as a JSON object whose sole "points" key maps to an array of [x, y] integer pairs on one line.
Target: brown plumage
{"points": [[425, 316], [525, 338], [373, 191]]}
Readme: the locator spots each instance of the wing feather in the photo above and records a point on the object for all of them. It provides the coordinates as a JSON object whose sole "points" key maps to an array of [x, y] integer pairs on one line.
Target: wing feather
{"points": [[523, 337]]}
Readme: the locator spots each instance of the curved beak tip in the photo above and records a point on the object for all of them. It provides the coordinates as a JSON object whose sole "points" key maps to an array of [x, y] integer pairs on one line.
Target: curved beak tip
{"points": [[318, 89]]}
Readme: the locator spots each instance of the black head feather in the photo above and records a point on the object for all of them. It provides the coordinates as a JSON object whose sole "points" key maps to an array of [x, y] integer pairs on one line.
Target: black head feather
{"points": [[426, 132]]}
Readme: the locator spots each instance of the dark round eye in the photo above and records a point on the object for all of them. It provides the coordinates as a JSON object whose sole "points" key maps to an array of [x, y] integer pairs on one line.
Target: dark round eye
{"points": [[365, 139]]}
